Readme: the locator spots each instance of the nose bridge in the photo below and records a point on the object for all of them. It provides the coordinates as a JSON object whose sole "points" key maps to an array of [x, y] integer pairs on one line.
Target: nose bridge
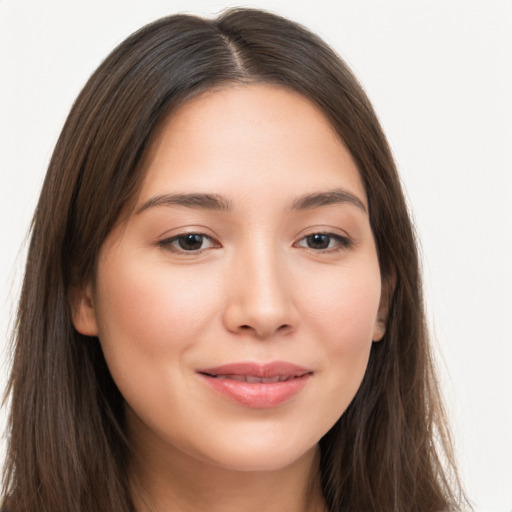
{"points": [[261, 300]]}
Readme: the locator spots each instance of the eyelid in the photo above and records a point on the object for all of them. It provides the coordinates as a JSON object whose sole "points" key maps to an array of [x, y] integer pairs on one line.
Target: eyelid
{"points": [[344, 242], [168, 243]]}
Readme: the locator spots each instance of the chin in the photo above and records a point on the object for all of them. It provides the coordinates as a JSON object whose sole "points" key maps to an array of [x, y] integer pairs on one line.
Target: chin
{"points": [[260, 455]]}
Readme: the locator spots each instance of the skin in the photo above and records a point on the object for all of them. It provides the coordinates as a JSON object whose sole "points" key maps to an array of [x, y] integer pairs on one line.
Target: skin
{"points": [[256, 290]]}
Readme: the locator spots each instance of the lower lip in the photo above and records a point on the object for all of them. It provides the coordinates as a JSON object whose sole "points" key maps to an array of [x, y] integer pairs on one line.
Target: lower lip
{"points": [[258, 395]]}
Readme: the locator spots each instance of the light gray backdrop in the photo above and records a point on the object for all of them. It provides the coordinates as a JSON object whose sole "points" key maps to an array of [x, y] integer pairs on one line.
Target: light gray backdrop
{"points": [[439, 74]]}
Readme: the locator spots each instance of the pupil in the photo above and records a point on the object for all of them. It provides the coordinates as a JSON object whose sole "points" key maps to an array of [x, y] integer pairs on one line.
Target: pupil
{"points": [[190, 242], [318, 241]]}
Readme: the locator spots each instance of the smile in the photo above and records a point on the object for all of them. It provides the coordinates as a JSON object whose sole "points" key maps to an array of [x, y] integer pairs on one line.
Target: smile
{"points": [[253, 378], [257, 386]]}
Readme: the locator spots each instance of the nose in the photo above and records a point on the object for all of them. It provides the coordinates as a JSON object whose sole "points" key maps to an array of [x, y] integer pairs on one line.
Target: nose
{"points": [[260, 295]]}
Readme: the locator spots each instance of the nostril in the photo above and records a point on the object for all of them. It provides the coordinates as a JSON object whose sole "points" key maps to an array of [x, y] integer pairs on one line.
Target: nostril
{"points": [[282, 328]]}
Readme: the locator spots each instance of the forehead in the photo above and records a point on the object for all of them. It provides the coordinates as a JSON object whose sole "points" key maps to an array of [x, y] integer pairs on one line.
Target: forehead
{"points": [[255, 138]]}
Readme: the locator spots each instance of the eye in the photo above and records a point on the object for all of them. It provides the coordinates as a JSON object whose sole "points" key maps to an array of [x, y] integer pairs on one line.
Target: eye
{"points": [[325, 242], [188, 242]]}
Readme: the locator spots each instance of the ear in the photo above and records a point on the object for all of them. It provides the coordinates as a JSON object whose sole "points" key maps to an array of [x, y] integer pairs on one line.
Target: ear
{"points": [[83, 313], [387, 290]]}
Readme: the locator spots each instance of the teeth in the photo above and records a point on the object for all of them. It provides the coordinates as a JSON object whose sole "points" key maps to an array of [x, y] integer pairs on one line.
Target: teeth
{"points": [[239, 378], [276, 378], [252, 379]]}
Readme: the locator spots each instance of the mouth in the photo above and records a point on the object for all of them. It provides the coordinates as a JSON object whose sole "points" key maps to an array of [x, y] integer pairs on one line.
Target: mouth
{"points": [[253, 379], [277, 371], [255, 385]]}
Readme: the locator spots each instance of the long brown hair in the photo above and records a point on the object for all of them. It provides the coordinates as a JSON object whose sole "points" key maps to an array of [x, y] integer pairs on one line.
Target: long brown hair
{"points": [[390, 450]]}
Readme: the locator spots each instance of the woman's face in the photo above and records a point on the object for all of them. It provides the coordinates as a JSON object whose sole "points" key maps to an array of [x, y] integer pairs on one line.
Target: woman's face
{"points": [[237, 304]]}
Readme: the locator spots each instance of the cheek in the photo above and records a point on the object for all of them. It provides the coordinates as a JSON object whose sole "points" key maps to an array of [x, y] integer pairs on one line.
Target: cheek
{"points": [[149, 309], [342, 315], [345, 304]]}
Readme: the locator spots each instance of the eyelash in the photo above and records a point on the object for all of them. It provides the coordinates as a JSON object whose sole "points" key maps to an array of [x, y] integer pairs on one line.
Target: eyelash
{"points": [[171, 244], [342, 242]]}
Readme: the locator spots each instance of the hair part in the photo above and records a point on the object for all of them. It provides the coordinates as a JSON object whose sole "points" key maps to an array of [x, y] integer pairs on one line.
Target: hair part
{"points": [[67, 451]]}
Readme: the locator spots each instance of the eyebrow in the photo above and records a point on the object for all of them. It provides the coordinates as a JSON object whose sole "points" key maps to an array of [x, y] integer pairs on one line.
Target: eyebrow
{"points": [[201, 201], [220, 203], [336, 196]]}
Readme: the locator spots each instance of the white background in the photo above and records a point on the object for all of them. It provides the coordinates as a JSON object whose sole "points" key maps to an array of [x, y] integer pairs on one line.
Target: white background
{"points": [[439, 73]]}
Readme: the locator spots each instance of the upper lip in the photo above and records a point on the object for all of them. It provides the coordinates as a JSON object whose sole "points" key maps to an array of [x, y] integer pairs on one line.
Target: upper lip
{"points": [[275, 370]]}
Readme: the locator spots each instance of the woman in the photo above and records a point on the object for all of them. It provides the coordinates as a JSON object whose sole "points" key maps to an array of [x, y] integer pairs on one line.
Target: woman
{"points": [[222, 305]]}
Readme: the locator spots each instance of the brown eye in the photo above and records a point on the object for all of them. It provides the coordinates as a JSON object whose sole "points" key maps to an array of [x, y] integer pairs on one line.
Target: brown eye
{"points": [[188, 242], [318, 241], [192, 242], [325, 242]]}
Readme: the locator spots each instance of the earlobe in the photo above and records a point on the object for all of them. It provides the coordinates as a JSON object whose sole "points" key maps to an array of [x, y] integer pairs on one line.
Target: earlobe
{"points": [[83, 313], [379, 330], [388, 288]]}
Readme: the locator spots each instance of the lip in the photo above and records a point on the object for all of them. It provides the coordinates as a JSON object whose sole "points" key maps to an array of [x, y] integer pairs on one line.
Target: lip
{"points": [[254, 385]]}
